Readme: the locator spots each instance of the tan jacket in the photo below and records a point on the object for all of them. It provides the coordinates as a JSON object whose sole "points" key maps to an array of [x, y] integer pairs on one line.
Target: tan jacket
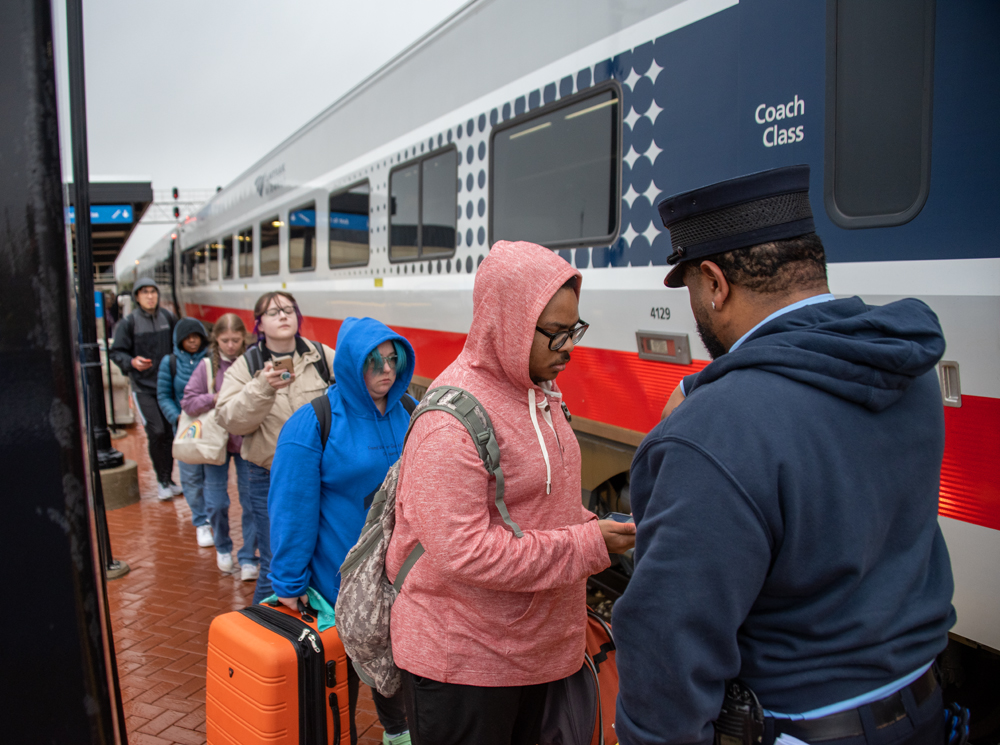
{"points": [[252, 408]]}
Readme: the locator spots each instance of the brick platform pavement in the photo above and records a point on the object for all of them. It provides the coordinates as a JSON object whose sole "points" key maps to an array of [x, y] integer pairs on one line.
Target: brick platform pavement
{"points": [[161, 610]]}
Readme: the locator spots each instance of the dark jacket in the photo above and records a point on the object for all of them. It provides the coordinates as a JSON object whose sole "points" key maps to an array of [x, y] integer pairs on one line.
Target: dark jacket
{"points": [[142, 334], [787, 524], [317, 498], [170, 386]]}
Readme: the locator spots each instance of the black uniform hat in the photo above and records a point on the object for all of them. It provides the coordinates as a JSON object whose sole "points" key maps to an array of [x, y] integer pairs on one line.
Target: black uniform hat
{"points": [[738, 213]]}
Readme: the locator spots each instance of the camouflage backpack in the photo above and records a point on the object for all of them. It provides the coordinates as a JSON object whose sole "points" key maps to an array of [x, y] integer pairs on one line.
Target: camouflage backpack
{"points": [[366, 595]]}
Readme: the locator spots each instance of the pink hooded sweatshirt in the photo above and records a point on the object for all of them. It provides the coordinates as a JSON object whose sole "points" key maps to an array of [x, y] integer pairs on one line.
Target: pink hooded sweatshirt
{"points": [[482, 607]]}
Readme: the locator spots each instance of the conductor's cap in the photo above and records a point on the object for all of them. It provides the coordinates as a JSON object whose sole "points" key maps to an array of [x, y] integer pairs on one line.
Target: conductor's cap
{"points": [[738, 213]]}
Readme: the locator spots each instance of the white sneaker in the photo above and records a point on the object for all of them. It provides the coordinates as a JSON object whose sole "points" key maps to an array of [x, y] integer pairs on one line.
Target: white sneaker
{"points": [[249, 572], [224, 562], [205, 537], [164, 492], [176, 489]]}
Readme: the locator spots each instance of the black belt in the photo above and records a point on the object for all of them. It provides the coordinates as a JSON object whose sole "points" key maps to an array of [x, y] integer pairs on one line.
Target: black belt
{"points": [[885, 712]]}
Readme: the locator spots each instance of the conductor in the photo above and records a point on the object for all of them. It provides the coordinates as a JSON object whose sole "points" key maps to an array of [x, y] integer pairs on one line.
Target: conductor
{"points": [[791, 581]]}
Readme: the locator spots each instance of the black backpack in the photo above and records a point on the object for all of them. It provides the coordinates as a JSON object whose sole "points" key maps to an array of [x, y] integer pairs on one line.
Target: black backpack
{"points": [[255, 360], [321, 405]]}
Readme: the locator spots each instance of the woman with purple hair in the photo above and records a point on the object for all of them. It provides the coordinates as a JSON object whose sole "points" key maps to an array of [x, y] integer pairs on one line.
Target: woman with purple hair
{"points": [[261, 390]]}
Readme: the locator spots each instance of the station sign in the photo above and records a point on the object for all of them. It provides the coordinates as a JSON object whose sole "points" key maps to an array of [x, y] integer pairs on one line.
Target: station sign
{"points": [[105, 214], [339, 220]]}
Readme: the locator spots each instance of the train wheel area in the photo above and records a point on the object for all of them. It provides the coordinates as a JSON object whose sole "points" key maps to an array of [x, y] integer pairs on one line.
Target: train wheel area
{"points": [[161, 611]]}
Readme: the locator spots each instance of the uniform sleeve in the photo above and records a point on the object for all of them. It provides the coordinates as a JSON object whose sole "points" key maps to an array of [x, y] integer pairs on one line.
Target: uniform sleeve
{"points": [[457, 533], [244, 402], [702, 554], [121, 346], [293, 503], [165, 392], [196, 399]]}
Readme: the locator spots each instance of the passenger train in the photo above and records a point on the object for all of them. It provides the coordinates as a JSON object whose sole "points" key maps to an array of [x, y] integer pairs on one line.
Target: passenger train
{"points": [[565, 122]]}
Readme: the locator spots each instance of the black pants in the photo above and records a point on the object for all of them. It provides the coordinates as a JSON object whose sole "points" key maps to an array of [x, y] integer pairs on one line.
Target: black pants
{"points": [[923, 725], [391, 713], [159, 434], [452, 714]]}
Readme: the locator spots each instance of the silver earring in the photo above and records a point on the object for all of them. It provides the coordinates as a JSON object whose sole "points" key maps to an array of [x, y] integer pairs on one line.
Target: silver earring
{"points": [[713, 305]]}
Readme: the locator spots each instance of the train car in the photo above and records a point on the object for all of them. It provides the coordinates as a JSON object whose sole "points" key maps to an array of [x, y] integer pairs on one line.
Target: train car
{"points": [[566, 122]]}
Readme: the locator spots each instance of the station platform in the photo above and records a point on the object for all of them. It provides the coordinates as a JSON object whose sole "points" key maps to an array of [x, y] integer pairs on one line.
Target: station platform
{"points": [[161, 610]]}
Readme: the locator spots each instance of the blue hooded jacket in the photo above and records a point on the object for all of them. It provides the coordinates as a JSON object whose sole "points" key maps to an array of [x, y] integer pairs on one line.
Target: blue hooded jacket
{"points": [[787, 524], [316, 502], [170, 389]]}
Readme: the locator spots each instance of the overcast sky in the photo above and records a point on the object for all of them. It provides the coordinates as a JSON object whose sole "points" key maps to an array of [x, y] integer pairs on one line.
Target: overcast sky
{"points": [[190, 93]]}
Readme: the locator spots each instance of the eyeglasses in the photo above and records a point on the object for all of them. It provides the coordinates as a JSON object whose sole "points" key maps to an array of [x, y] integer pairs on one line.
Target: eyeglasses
{"points": [[287, 310], [558, 339], [377, 362]]}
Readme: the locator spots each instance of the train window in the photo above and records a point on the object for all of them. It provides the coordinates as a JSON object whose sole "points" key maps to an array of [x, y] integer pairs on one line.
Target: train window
{"points": [[880, 70], [212, 257], [226, 258], [203, 263], [554, 175], [244, 240], [302, 238], [349, 244], [404, 209], [437, 205], [423, 195], [269, 245], [188, 262]]}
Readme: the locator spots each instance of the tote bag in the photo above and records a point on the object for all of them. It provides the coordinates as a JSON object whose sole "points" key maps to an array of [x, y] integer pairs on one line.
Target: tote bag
{"points": [[201, 439]]}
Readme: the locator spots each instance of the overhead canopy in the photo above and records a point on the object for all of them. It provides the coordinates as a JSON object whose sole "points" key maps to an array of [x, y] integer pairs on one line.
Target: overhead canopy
{"points": [[115, 209]]}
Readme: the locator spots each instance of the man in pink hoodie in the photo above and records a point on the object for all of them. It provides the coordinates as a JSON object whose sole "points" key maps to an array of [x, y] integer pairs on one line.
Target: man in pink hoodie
{"points": [[485, 619]]}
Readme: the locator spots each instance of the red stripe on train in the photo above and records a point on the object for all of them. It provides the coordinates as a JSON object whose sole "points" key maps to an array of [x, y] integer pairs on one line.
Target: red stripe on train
{"points": [[618, 388]]}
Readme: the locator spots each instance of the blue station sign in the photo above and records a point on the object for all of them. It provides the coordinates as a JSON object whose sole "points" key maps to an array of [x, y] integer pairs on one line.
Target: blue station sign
{"points": [[104, 214]]}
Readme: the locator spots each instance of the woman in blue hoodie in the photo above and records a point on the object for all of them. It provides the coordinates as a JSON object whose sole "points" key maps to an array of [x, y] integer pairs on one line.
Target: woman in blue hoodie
{"points": [[190, 347], [318, 490]]}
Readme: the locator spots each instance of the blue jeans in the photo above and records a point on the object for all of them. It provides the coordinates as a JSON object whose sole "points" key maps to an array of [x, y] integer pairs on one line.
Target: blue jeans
{"points": [[217, 502], [193, 480], [260, 485]]}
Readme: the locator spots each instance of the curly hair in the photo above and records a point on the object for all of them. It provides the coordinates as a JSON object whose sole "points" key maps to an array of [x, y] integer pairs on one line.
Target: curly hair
{"points": [[777, 267]]}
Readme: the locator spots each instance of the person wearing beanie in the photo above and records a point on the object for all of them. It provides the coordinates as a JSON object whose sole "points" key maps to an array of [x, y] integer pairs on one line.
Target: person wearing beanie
{"points": [[142, 339]]}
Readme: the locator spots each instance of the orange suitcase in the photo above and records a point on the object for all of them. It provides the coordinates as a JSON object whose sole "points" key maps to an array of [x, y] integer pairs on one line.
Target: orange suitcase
{"points": [[274, 679]]}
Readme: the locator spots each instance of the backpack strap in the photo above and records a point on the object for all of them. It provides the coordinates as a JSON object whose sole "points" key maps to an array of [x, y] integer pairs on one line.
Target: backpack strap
{"points": [[466, 408], [255, 360], [321, 367], [321, 405], [173, 366], [209, 376]]}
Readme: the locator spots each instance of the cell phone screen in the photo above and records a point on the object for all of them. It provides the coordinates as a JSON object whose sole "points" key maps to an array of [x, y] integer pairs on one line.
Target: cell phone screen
{"points": [[619, 517]]}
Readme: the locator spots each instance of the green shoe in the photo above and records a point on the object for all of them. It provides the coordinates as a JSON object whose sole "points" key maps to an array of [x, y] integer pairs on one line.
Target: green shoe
{"points": [[403, 739]]}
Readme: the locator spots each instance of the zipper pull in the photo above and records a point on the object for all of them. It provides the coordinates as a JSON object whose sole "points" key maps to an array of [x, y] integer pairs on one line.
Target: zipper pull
{"points": [[311, 637]]}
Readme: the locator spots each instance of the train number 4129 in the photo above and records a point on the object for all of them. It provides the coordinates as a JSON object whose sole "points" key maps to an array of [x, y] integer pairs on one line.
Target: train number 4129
{"points": [[660, 314]]}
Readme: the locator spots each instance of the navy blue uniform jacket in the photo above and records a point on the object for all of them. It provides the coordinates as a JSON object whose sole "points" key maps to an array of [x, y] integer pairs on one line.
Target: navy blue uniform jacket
{"points": [[787, 524]]}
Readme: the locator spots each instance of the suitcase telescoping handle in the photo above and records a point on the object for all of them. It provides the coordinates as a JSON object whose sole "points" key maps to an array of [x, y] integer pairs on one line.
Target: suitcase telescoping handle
{"points": [[309, 614]]}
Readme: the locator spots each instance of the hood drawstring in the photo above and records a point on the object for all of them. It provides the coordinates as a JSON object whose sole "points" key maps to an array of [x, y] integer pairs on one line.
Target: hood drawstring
{"points": [[532, 405]]}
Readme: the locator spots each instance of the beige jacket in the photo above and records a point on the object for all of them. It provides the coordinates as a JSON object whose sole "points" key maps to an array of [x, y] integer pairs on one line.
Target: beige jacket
{"points": [[252, 408]]}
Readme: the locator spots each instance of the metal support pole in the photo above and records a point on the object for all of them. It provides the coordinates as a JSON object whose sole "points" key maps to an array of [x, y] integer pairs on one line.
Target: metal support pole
{"points": [[58, 656], [107, 456]]}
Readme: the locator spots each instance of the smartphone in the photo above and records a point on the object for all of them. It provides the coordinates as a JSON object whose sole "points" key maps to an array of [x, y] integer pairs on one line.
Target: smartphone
{"points": [[283, 363], [619, 517]]}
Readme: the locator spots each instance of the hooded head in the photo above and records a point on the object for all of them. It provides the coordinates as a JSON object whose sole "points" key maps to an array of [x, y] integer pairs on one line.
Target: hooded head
{"points": [[184, 328], [139, 285], [355, 341], [514, 284]]}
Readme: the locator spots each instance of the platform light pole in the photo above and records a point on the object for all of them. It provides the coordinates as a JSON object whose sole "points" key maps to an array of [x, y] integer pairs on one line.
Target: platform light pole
{"points": [[103, 453]]}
